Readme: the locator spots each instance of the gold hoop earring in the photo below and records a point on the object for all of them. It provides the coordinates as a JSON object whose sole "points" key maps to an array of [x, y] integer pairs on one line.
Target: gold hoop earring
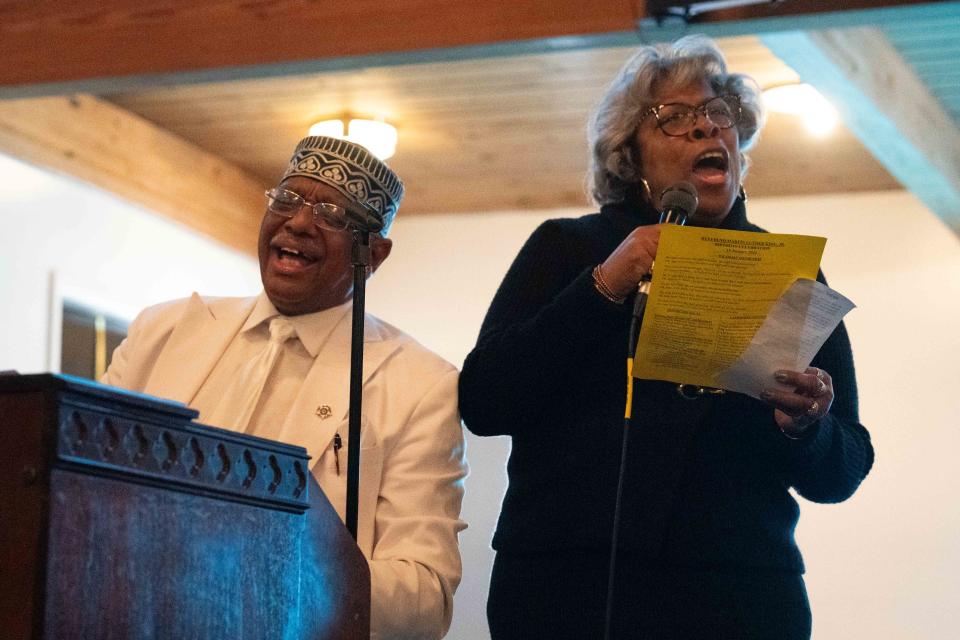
{"points": [[646, 189]]}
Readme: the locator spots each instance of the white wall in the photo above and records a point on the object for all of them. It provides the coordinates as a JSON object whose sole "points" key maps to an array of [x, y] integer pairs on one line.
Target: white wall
{"points": [[886, 562], [437, 284], [60, 236], [882, 565]]}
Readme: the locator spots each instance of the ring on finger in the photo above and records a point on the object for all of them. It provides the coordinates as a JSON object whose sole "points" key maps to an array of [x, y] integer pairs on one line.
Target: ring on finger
{"points": [[813, 409], [821, 387]]}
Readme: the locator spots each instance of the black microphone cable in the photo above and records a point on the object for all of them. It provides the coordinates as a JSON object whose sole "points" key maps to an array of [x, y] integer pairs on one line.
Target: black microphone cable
{"points": [[677, 201]]}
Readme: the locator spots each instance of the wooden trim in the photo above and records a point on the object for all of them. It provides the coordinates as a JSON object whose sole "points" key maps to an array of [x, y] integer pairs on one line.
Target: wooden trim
{"points": [[113, 149]]}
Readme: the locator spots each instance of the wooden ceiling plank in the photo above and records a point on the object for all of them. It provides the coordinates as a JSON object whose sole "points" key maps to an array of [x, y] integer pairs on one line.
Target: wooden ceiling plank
{"points": [[92, 140], [408, 91], [886, 106], [452, 131]]}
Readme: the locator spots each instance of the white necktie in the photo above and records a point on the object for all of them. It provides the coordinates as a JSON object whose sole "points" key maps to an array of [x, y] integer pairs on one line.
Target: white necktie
{"points": [[241, 397]]}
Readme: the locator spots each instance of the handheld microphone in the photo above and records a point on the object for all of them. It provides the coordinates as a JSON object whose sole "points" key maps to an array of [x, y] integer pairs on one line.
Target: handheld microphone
{"points": [[677, 203]]}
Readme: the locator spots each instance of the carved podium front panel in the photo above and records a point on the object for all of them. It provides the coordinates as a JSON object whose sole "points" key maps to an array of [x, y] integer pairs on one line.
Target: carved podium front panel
{"points": [[121, 518]]}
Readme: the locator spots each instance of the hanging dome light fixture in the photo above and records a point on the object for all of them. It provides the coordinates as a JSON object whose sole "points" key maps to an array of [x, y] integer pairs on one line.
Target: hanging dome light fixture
{"points": [[378, 136]]}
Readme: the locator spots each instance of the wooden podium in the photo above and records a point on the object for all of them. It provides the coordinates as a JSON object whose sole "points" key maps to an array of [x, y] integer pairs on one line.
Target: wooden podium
{"points": [[121, 518]]}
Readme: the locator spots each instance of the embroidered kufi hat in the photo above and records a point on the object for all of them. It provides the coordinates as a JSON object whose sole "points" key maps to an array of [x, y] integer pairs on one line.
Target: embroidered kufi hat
{"points": [[352, 170]]}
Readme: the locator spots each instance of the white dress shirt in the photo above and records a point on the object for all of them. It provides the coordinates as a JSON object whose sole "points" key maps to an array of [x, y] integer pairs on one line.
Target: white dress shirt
{"points": [[283, 383]]}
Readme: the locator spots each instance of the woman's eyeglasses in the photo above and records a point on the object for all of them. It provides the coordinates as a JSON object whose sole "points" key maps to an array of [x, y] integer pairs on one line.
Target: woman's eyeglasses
{"points": [[678, 119]]}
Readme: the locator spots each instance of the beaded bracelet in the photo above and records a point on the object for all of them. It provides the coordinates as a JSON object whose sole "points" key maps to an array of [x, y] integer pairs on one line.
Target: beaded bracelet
{"points": [[601, 285]]}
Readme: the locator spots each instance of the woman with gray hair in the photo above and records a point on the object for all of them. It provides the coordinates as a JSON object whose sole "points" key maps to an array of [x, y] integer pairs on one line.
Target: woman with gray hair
{"points": [[706, 528]]}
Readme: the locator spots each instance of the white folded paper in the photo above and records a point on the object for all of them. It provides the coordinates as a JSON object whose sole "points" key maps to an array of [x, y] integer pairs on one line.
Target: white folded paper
{"points": [[796, 327]]}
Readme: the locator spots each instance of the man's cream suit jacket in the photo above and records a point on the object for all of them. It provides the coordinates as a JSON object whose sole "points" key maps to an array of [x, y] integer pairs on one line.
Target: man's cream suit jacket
{"points": [[412, 457]]}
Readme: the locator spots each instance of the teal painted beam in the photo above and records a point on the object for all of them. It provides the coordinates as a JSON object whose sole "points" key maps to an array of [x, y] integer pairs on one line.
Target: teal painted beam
{"points": [[883, 103]]}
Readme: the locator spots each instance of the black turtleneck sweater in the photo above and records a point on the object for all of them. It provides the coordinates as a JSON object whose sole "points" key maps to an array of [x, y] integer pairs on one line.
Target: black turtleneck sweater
{"points": [[707, 480]]}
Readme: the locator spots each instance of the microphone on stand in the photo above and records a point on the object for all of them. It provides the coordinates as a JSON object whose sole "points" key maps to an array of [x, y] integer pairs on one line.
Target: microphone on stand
{"points": [[363, 218], [363, 221]]}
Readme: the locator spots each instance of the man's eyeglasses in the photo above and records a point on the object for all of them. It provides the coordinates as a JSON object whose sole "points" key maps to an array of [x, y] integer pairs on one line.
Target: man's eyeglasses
{"points": [[678, 119], [326, 215]]}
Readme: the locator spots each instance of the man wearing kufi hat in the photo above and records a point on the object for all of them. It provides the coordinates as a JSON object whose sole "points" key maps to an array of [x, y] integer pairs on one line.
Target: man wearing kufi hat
{"points": [[277, 366]]}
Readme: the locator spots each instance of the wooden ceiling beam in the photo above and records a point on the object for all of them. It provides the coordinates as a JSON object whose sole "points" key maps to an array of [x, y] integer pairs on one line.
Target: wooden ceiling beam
{"points": [[885, 104], [56, 41], [120, 152], [54, 47]]}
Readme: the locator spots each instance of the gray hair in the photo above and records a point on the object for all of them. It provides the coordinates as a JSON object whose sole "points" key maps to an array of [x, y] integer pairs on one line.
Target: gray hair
{"points": [[614, 160]]}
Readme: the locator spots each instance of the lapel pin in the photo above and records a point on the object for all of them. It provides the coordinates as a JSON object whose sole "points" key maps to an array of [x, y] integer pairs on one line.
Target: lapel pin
{"points": [[324, 411]]}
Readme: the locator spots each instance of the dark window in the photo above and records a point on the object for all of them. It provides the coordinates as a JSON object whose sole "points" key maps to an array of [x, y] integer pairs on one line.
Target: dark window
{"points": [[88, 340]]}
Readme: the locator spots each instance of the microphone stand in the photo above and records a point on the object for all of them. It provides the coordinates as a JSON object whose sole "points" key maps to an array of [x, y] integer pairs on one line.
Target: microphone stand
{"points": [[360, 258], [669, 216], [639, 306]]}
